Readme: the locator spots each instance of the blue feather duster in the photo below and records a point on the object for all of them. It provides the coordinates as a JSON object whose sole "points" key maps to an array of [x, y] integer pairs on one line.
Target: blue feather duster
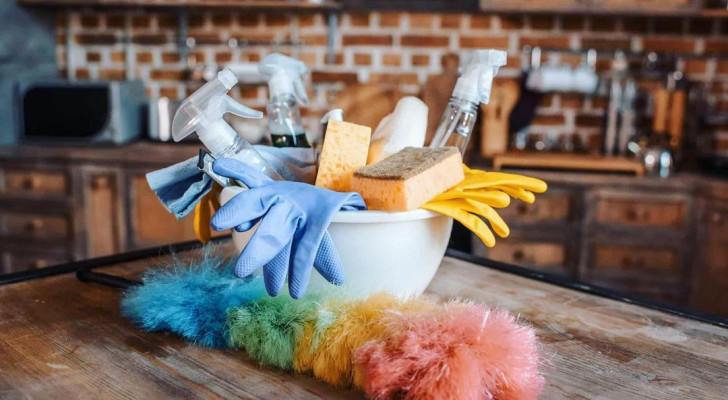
{"points": [[191, 299]]}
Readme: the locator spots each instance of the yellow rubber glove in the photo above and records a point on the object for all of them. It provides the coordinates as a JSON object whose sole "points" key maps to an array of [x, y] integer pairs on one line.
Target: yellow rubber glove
{"points": [[477, 179], [203, 213], [493, 198], [471, 221]]}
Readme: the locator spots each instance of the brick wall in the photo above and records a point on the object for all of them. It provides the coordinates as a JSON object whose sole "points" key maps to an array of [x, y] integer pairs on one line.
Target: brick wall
{"points": [[389, 48]]}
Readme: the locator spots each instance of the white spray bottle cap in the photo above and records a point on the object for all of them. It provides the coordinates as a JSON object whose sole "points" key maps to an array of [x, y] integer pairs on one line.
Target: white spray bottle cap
{"points": [[476, 81], [203, 112], [337, 114], [285, 76]]}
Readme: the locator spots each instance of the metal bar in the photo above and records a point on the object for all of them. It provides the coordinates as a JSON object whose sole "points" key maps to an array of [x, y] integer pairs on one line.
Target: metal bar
{"points": [[333, 20]]}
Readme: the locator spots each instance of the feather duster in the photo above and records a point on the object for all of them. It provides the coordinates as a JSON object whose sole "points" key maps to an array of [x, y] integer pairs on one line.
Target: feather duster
{"points": [[271, 328], [466, 352], [191, 298]]}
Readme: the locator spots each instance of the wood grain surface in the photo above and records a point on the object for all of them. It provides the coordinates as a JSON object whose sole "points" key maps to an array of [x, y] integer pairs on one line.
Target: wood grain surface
{"points": [[60, 338]]}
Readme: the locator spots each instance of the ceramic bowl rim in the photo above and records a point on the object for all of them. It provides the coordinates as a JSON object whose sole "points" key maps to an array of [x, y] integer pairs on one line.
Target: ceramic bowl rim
{"points": [[378, 217]]}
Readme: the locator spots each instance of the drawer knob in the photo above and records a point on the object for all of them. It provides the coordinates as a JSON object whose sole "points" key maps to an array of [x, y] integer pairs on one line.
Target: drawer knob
{"points": [[34, 225], [31, 183], [39, 264], [518, 255], [716, 218], [522, 209]]}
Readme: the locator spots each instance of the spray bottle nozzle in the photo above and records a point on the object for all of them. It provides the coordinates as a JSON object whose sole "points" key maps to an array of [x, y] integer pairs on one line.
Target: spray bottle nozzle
{"points": [[285, 76], [477, 78], [203, 112]]}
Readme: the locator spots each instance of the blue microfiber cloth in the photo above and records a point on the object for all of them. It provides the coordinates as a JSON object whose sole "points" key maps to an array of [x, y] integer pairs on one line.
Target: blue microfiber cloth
{"points": [[191, 298], [181, 186]]}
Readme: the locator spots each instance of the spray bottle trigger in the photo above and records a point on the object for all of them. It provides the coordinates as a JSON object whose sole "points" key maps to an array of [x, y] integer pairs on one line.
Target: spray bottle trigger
{"points": [[233, 107]]}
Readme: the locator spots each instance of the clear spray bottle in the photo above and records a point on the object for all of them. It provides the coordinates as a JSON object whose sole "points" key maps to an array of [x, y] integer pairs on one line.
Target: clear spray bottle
{"points": [[286, 93], [473, 87], [203, 112]]}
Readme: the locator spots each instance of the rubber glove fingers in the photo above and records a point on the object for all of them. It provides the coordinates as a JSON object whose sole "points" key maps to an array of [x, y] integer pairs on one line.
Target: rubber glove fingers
{"points": [[491, 197], [274, 272], [477, 178], [470, 221], [496, 222], [244, 208], [238, 170], [518, 193], [306, 239], [328, 262], [273, 234]]}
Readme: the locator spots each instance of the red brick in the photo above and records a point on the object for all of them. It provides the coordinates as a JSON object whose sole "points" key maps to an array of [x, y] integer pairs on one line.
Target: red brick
{"points": [[327, 77], [169, 91], [221, 19], [572, 100], [262, 38], [112, 74], [315, 40], [149, 39], [60, 39], [196, 20], [391, 60], [471, 42], [362, 59], [722, 67], [606, 43], [248, 19], [307, 20], [309, 58], [572, 22], [635, 24], [206, 38], [144, 57], [668, 44], [367, 40], [695, 67], [542, 22], [223, 57], [141, 21], [424, 41], [96, 39], [388, 78], [390, 20], [83, 73], [117, 56], [251, 56], [599, 102], [716, 45], [276, 20], [551, 120], [93, 57], [420, 21], [511, 22], [167, 75], [359, 19], [545, 41], [701, 26], [479, 21], [594, 121], [669, 26], [419, 60], [450, 20], [249, 92], [167, 20], [547, 100], [115, 21], [572, 60], [170, 58], [90, 21], [603, 24]]}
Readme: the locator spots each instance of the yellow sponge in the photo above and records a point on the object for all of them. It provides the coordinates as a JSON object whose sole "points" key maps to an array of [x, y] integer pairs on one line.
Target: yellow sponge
{"points": [[345, 149]]}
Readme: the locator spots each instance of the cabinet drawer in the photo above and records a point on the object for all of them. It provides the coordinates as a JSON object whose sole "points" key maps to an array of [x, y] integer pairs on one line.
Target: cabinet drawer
{"points": [[549, 207], [643, 5], [716, 226], [633, 258], [656, 213], [16, 261], [34, 183], [529, 253], [34, 226]]}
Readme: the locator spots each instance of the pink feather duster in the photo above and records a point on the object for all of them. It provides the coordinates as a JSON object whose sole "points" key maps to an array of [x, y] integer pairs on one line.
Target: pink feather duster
{"points": [[468, 351]]}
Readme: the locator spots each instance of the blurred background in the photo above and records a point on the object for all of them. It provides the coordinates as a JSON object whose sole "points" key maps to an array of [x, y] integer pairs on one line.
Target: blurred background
{"points": [[621, 106]]}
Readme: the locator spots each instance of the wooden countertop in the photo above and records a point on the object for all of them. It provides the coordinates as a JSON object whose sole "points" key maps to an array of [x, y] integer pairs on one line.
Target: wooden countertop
{"points": [[65, 339]]}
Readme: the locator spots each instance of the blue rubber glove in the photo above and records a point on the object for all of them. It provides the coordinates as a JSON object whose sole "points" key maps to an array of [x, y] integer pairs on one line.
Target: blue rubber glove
{"points": [[292, 236]]}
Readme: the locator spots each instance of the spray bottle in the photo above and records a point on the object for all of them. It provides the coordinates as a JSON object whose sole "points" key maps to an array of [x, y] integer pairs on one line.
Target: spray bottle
{"points": [[286, 93], [203, 112], [473, 87]]}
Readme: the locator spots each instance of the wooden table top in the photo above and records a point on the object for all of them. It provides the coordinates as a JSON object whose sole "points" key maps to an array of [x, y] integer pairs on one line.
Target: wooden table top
{"points": [[61, 338]]}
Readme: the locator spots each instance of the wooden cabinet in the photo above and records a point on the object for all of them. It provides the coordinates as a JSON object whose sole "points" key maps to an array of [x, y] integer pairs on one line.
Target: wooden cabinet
{"points": [[710, 286]]}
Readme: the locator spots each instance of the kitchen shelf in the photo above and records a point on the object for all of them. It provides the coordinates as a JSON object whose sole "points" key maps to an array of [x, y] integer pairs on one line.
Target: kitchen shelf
{"points": [[249, 4]]}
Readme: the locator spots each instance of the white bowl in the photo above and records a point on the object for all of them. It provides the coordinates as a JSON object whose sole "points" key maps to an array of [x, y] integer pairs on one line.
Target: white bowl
{"points": [[397, 252]]}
